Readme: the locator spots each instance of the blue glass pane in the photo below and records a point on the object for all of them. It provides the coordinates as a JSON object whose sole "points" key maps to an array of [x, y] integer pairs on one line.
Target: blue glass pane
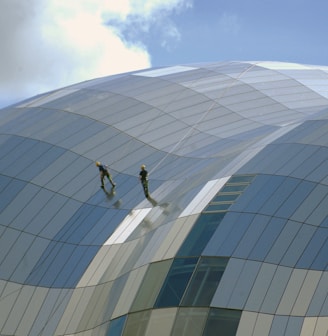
{"points": [[205, 281], [61, 265], [267, 239], [200, 234], [176, 282], [222, 322], [312, 252], [116, 326]]}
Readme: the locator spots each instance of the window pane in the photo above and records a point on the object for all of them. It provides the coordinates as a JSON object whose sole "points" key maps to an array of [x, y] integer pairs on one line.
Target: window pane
{"points": [[200, 234], [205, 281], [116, 326], [190, 322], [222, 322], [176, 282]]}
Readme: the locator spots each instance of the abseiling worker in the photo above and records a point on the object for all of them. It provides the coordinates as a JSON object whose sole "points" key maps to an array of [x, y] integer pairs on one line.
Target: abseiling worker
{"points": [[104, 172], [143, 176]]}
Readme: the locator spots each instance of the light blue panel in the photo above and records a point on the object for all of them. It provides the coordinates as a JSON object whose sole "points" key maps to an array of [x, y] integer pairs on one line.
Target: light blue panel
{"points": [[295, 199], [37, 203], [276, 290], [283, 241], [320, 213], [302, 155], [46, 214], [11, 188], [257, 193], [311, 160], [310, 203], [244, 285], [239, 227], [221, 234], [251, 236], [312, 251], [298, 246], [30, 257], [18, 203], [279, 325], [294, 326], [8, 239], [280, 196], [268, 238], [13, 158]]}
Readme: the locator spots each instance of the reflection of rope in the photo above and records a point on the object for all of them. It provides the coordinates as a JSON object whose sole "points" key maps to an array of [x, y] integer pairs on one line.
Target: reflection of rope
{"points": [[192, 128]]}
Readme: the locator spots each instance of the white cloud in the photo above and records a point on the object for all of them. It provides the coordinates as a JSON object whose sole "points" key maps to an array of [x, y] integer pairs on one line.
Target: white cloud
{"points": [[54, 43]]}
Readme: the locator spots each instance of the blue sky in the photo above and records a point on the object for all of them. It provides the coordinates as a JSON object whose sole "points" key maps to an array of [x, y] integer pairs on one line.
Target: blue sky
{"points": [[54, 43]]}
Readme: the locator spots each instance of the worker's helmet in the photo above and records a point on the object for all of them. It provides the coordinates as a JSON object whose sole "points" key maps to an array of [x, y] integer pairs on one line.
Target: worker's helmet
{"points": [[143, 166], [98, 163]]}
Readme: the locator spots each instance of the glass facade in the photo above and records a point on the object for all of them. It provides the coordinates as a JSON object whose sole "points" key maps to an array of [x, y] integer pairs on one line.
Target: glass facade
{"points": [[233, 239]]}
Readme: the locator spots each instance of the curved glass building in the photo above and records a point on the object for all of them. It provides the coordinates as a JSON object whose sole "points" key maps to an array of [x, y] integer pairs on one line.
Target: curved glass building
{"points": [[233, 239]]}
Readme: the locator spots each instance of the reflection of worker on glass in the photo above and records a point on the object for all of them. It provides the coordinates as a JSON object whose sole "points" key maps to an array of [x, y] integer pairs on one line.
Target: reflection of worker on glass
{"points": [[143, 176], [103, 171]]}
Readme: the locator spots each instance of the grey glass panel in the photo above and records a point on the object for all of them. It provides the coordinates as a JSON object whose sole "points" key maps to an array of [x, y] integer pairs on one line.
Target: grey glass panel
{"points": [[41, 163], [8, 144], [10, 188], [244, 285], [251, 236], [222, 322], [116, 326], [279, 197], [283, 241], [310, 203], [298, 245], [36, 204], [176, 282], [278, 325], [294, 326], [309, 258], [136, 324], [296, 198], [189, 322], [267, 239], [51, 312], [276, 290], [29, 258], [12, 251], [238, 228], [200, 234], [204, 281], [321, 262], [261, 285], [61, 265], [151, 285]]}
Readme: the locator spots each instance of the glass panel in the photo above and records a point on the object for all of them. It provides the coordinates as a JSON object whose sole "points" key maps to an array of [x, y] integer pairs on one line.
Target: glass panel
{"points": [[234, 188], [204, 281], [225, 197], [189, 322], [217, 207], [136, 324], [151, 285], [161, 322], [116, 326], [200, 234], [222, 322], [176, 282]]}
